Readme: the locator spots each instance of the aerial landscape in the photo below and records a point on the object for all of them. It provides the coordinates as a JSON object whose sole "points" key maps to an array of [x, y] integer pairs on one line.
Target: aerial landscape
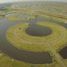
{"points": [[33, 34]]}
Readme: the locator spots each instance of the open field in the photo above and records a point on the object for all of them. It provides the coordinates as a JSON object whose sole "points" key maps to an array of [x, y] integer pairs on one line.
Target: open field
{"points": [[33, 34]]}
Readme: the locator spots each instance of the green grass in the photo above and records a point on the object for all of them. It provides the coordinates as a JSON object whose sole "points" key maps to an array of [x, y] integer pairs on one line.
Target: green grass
{"points": [[15, 37], [16, 18], [50, 43], [21, 40]]}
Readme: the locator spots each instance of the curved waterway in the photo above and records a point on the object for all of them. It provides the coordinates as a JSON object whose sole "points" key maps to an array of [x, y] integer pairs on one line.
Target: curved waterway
{"points": [[22, 55]]}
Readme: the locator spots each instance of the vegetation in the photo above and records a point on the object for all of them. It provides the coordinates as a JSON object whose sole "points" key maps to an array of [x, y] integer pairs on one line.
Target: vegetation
{"points": [[54, 14], [33, 43]]}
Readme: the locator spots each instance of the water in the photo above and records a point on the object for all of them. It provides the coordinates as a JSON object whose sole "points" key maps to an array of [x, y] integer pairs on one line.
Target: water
{"points": [[63, 52], [22, 55], [37, 30]]}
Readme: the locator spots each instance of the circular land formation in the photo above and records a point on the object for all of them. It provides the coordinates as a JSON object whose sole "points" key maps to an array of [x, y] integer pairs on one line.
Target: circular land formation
{"points": [[42, 55], [8, 62], [18, 37]]}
